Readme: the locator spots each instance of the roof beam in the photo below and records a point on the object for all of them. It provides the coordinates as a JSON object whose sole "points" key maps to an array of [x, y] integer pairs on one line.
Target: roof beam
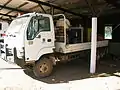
{"points": [[42, 8], [56, 7], [90, 4], [5, 19], [18, 7], [33, 7], [6, 3], [7, 15], [14, 9], [25, 3], [87, 7]]}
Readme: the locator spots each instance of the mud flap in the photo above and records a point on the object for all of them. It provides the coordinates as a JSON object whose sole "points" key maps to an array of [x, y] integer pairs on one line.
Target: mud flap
{"points": [[19, 62]]}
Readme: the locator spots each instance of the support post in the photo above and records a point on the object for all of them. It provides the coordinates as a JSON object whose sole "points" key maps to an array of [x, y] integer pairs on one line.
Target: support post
{"points": [[51, 10], [93, 45], [0, 50]]}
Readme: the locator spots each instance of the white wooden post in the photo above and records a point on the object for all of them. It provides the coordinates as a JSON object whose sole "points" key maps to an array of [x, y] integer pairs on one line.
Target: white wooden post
{"points": [[0, 49], [93, 45]]}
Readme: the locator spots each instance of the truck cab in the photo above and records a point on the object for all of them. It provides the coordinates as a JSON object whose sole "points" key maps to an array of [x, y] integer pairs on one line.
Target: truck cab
{"points": [[28, 38]]}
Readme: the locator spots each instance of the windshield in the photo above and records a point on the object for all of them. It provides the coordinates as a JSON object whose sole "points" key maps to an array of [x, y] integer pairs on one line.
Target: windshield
{"points": [[17, 24]]}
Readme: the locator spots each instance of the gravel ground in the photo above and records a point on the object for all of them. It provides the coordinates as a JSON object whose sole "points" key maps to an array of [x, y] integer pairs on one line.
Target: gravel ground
{"points": [[71, 76]]}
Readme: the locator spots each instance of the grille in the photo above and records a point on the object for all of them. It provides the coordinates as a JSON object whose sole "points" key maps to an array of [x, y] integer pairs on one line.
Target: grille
{"points": [[9, 52]]}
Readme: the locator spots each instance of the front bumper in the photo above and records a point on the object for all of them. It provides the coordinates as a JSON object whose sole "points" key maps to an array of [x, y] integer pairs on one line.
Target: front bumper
{"points": [[10, 55]]}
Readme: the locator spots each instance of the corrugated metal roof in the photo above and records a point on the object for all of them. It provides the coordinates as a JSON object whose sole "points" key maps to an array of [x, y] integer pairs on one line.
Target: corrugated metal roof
{"points": [[79, 6]]}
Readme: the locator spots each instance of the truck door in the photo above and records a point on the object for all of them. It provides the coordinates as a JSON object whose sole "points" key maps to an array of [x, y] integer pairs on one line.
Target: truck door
{"points": [[39, 38]]}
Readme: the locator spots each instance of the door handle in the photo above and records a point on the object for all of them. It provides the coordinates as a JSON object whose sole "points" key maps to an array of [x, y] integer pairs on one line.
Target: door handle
{"points": [[43, 39], [49, 40]]}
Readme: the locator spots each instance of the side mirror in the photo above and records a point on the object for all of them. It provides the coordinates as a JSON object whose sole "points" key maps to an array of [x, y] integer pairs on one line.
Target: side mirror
{"points": [[39, 36]]}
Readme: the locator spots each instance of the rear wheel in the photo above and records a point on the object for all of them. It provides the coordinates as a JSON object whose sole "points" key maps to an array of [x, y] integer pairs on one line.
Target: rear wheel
{"points": [[43, 67]]}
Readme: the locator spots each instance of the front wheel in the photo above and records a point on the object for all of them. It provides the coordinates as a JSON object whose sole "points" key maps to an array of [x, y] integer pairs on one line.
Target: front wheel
{"points": [[43, 68]]}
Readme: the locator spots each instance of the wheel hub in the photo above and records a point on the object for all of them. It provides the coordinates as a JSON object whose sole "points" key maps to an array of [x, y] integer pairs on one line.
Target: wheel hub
{"points": [[43, 68]]}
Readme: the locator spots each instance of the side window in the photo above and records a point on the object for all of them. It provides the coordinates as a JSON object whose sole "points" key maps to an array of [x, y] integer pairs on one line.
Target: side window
{"points": [[36, 26], [44, 24]]}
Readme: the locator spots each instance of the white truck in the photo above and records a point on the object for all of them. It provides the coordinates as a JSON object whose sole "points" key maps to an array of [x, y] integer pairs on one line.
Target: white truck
{"points": [[3, 27], [41, 40]]}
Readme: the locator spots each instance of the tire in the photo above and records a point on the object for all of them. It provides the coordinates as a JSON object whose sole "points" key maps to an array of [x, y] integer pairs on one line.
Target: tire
{"points": [[43, 68]]}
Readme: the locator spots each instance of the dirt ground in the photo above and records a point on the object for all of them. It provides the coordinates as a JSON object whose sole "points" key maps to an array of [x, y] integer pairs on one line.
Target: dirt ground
{"points": [[79, 69]]}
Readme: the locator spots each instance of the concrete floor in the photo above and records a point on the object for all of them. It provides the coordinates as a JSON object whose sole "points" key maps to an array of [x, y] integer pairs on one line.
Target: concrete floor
{"points": [[78, 69], [71, 76]]}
